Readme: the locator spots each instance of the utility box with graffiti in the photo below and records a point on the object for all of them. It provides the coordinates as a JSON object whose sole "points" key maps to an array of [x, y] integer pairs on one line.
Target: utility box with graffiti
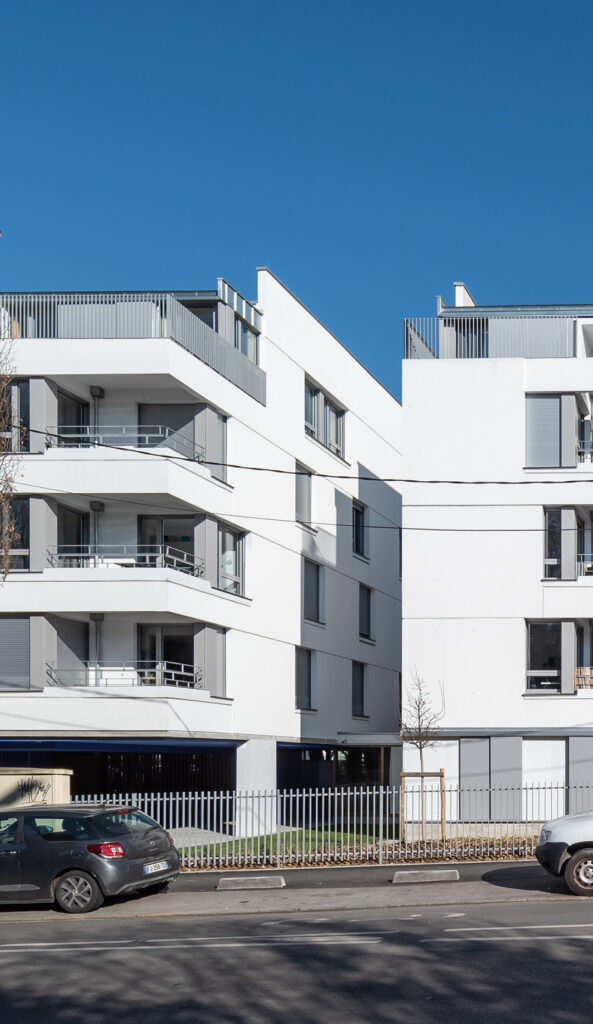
{"points": [[22, 786]]}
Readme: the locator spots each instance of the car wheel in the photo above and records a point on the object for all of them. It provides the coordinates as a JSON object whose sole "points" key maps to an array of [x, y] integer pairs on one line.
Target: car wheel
{"points": [[77, 893], [579, 873]]}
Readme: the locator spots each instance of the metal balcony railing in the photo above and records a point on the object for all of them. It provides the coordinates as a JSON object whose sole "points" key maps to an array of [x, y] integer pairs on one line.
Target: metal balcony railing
{"points": [[135, 556], [457, 334], [584, 565], [122, 435], [143, 315], [133, 673]]}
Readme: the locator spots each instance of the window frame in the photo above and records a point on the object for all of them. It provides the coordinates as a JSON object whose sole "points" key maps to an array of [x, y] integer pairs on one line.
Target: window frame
{"points": [[358, 689], [319, 619], [363, 588], [238, 580], [317, 425], [298, 690], [360, 531], [240, 327], [303, 478], [550, 680]]}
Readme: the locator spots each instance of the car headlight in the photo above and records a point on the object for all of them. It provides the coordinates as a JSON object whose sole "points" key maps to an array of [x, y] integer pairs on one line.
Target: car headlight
{"points": [[544, 836]]}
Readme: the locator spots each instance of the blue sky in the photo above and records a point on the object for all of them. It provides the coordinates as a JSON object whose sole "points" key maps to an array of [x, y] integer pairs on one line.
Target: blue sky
{"points": [[369, 153]]}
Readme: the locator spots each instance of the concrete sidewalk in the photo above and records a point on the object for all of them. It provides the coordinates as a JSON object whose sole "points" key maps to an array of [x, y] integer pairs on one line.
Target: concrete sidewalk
{"points": [[499, 885]]}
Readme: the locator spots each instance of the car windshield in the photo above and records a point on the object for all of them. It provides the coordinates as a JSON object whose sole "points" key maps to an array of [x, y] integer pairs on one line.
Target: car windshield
{"points": [[123, 823]]}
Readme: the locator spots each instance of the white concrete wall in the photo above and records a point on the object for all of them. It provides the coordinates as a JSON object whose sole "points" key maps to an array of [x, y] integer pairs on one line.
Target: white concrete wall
{"points": [[263, 627]]}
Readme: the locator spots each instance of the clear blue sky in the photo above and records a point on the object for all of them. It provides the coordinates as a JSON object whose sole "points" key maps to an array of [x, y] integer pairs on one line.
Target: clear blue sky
{"points": [[370, 153]]}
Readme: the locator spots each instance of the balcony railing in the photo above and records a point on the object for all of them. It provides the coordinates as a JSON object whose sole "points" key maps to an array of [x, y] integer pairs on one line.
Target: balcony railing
{"points": [[103, 315], [133, 556], [461, 335], [584, 565], [120, 673], [122, 435]]}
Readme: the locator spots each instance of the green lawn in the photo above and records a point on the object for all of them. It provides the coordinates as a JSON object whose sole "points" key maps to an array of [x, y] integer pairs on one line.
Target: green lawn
{"points": [[296, 843]]}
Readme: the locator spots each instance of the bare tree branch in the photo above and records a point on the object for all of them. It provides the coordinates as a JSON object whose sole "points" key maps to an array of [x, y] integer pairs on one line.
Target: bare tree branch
{"points": [[420, 721]]}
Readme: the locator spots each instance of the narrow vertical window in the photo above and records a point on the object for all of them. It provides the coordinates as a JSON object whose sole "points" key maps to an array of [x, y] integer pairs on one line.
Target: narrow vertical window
{"points": [[310, 410], [552, 557], [312, 601], [303, 688], [364, 612], [302, 495], [358, 689], [230, 560], [359, 514]]}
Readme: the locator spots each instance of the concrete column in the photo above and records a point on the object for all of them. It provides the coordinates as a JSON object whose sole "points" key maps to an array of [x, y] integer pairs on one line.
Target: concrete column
{"points": [[256, 773], [43, 649], [568, 430], [568, 656], [568, 534], [43, 411], [43, 530]]}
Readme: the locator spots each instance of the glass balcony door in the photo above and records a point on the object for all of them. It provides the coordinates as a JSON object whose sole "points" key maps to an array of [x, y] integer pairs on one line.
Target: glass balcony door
{"points": [[166, 540], [166, 655]]}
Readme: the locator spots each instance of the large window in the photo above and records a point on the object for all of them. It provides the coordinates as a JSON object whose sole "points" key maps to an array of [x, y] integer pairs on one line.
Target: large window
{"points": [[230, 560], [302, 495], [543, 655], [246, 340], [324, 419], [364, 613], [358, 689], [167, 541], [15, 432], [553, 544], [312, 598], [359, 539], [303, 681]]}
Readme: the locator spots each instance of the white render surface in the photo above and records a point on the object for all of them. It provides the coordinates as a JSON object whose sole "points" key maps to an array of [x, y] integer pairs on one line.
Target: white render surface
{"points": [[474, 553], [265, 624]]}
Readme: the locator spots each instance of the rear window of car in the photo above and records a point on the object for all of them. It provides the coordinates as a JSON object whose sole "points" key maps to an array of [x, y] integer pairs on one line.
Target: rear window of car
{"points": [[123, 823], [62, 829]]}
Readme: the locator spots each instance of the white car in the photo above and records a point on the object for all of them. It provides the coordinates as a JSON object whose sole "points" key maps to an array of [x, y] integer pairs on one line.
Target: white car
{"points": [[565, 847]]}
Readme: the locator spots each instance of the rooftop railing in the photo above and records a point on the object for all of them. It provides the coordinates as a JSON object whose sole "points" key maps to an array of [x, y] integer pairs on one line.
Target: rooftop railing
{"points": [[121, 673], [123, 435], [103, 315], [121, 556], [457, 335]]}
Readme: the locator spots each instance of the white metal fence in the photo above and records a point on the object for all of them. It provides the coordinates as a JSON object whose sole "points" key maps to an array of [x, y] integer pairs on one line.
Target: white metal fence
{"points": [[369, 824]]}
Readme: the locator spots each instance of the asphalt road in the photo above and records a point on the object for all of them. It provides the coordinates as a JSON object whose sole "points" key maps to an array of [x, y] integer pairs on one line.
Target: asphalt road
{"points": [[517, 962]]}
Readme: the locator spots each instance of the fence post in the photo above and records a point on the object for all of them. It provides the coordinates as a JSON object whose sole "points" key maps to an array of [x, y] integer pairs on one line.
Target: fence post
{"points": [[443, 814], [402, 815], [381, 823]]}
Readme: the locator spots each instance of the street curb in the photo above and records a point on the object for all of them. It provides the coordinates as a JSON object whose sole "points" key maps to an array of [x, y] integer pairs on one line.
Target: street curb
{"points": [[251, 882], [428, 875]]}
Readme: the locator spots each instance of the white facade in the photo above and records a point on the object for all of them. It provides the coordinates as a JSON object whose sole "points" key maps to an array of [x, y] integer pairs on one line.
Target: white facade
{"points": [[498, 593], [145, 518]]}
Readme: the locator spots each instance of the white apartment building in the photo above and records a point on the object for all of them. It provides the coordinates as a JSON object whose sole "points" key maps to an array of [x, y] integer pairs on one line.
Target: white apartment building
{"points": [[206, 591], [498, 553]]}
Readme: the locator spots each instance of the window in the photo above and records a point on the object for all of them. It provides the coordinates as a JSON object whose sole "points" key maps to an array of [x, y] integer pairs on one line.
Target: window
{"points": [[246, 340], [230, 560], [8, 829], [303, 495], [543, 656], [167, 541], [312, 601], [64, 829], [19, 515], [359, 514], [364, 612], [400, 550], [324, 420], [553, 544], [358, 689], [303, 688]]}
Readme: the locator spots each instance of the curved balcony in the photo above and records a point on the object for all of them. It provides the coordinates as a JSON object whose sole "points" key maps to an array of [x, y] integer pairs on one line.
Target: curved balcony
{"points": [[137, 673], [124, 436], [119, 556]]}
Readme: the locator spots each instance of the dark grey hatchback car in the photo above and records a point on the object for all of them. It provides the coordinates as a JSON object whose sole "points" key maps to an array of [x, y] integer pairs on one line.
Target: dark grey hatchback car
{"points": [[77, 854]]}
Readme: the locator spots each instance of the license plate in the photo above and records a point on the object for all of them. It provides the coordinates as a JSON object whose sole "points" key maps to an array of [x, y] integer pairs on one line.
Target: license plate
{"points": [[158, 865]]}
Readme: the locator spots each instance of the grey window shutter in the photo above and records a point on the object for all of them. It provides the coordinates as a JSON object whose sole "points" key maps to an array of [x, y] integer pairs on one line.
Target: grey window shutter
{"points": [[303, 495], [14, 654], [216, 445], [311, 609], [303, 678], [542, 430]]}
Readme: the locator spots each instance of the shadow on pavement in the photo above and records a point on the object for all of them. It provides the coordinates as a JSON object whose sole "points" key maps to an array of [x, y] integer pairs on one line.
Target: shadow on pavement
{"points": [[531, 879]]}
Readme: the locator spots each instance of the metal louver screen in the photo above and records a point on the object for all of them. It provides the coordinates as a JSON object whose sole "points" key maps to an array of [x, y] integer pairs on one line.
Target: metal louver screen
{"points": [[14, 654], [542, 430]]}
